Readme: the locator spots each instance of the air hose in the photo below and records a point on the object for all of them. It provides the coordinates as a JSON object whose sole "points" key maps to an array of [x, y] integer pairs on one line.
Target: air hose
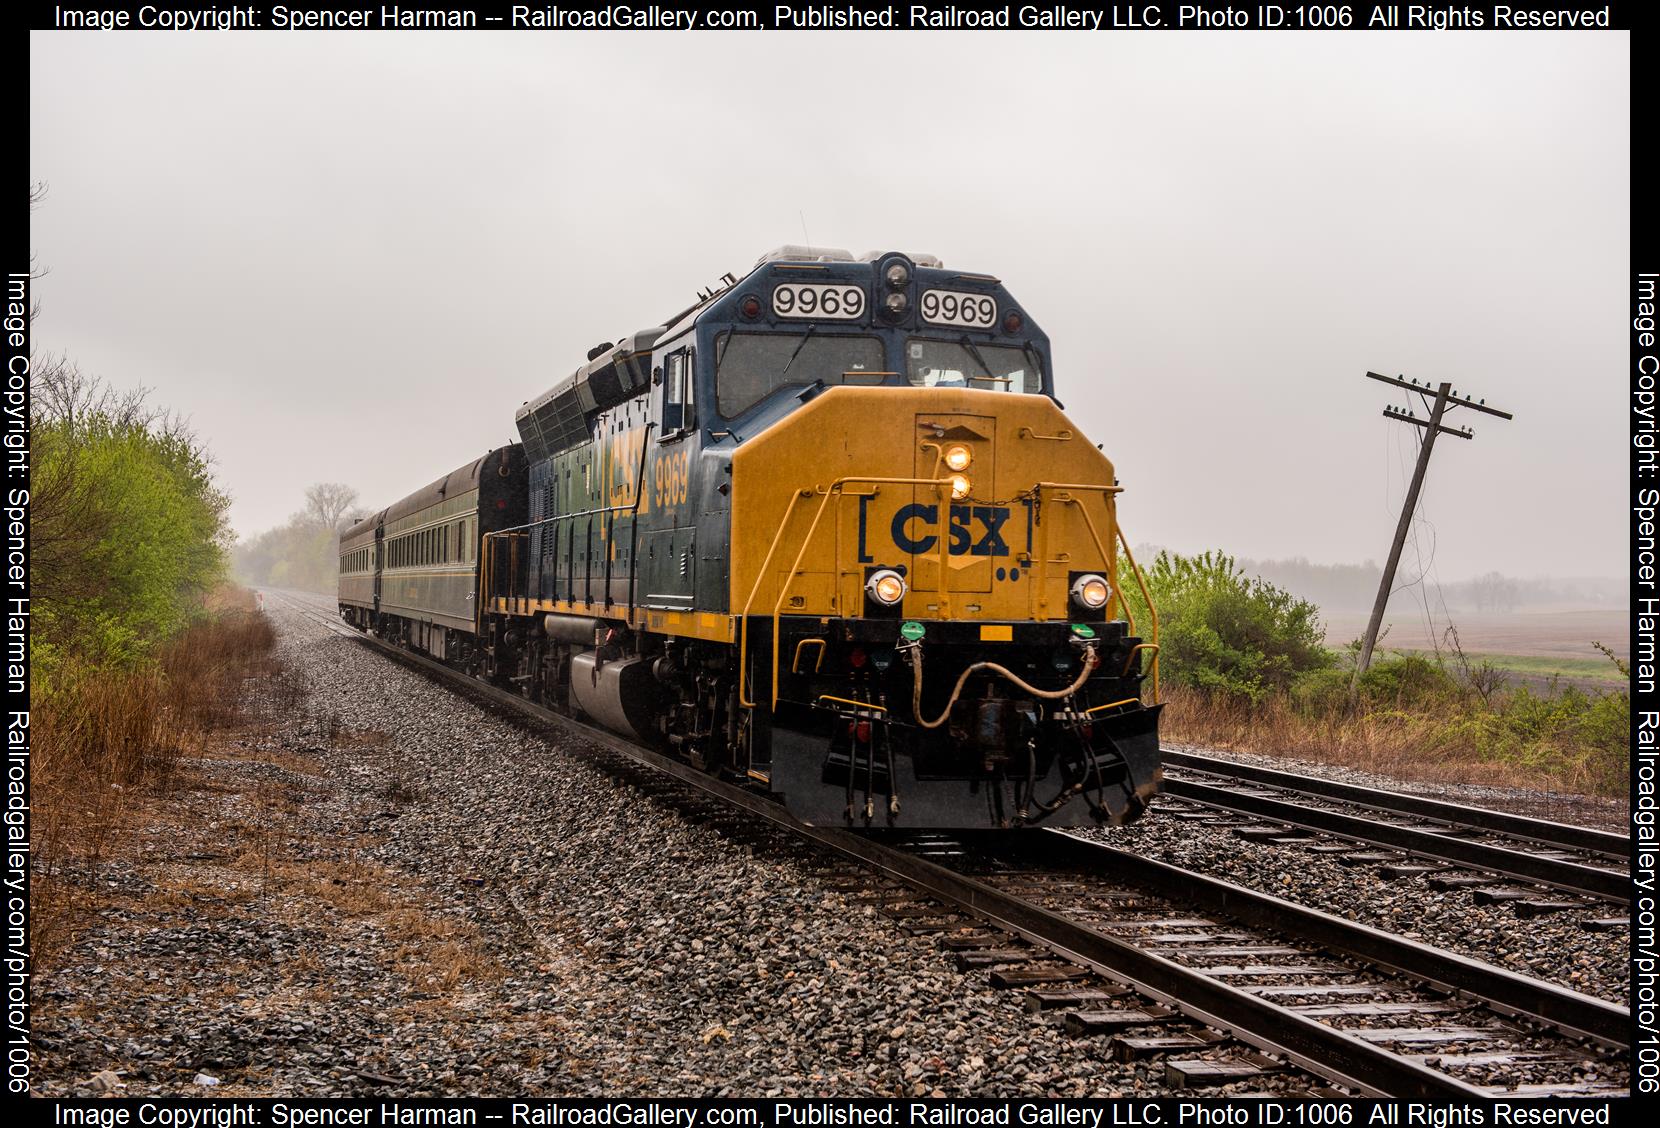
{"points": [[1090, 662]]}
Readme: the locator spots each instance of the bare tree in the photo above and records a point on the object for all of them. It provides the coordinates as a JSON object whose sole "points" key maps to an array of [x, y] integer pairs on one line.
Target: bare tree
{"points": [[327, 504]]}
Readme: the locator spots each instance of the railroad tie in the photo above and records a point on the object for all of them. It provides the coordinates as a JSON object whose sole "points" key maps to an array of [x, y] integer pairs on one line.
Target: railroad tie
{"points": [[1407, 869], [1009, 978], [1060, 998], [1092, 1022], [1527, 910], [1127, 1048], [1605, 924], [1195, 1073]]}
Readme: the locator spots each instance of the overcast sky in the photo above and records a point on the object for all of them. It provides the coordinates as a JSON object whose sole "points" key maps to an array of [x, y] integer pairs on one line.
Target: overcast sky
{"points": [[350, 257]]}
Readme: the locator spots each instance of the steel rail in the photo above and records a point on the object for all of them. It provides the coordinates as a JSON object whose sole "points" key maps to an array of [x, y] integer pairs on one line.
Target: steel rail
{"points": [[1611, 885], [1506, 991], [1612, 845], [1326, 1051]]}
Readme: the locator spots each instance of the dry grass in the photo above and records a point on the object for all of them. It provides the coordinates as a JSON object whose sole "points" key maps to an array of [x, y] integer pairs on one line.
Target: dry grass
{"points": [[104, 739], [1395, 743]]}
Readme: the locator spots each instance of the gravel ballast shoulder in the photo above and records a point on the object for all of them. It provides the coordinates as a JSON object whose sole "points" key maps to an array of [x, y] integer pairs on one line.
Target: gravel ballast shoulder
{"points": [[385, 890]]}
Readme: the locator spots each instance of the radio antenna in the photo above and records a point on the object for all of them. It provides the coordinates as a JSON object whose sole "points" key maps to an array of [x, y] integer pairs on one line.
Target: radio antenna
{"points": [[808, 238]]}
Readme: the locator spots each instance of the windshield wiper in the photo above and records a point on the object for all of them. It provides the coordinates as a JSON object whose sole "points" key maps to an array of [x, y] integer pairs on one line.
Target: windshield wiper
{"points": [[980, 360], [1035, 361], [811, 329]]}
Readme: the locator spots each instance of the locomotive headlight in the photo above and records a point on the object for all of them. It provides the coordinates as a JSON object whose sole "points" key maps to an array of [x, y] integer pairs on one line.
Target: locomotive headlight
{"points": [[958, 457], [1091, 591], [959, 487], [898, 276], [885, 586], [895, 303]]}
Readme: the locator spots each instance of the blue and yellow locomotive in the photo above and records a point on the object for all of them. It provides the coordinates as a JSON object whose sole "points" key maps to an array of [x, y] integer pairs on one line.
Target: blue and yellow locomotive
{"points": [[829, 531]]}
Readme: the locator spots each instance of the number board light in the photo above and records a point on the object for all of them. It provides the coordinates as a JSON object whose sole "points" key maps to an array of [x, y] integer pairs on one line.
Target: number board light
{"points": [[949, 307], [814, 301]]}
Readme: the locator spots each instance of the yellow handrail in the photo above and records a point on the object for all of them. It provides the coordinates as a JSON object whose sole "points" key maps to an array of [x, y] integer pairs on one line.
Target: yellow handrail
{"points": [[743, 622], [1152, 612], [856, 704], [1129, 659], [835, 489], [1113, 705], [795, 663], [1141, 581]]}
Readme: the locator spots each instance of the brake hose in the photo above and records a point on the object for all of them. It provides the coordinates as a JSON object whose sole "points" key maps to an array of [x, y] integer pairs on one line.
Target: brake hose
{"points": [[1090, 662]]}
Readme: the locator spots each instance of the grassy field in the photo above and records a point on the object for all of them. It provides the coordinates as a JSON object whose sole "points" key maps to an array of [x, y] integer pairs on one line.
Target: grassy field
{"points": [[1534, 633], [1532, 647], [1538, 671]]}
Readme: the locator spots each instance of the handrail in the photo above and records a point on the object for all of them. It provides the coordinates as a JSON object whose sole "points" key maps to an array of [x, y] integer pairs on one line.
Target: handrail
{"points": [[1152, 612], [1037, 491], [835, 489], [857, 705], [1092, 486], [795, 662], [609, 512], [1113, 705], [743, 625], [1129, 659]]}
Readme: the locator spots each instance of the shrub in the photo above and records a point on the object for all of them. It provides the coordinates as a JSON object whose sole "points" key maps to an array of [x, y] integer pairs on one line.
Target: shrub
{"points": [[1225, 633], [127, 524]]}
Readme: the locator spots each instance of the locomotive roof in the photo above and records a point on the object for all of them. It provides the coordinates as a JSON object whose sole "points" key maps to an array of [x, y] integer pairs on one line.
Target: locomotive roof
{"points": [[559, 418]]}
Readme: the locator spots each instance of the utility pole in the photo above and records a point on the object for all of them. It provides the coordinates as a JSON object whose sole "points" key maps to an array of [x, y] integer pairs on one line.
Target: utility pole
{"points": [[1445, 400]]}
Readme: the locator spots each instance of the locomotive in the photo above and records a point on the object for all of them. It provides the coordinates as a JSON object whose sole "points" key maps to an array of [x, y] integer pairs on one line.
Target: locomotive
{"points": [[828, 531]]}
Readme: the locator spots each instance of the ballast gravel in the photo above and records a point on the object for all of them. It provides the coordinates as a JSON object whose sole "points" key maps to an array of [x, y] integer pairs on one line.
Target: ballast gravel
{"points": [[382, 890]]}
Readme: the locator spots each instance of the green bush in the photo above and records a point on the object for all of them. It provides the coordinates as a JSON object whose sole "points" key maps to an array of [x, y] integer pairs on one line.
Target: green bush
{"points": [[1225, 633], [1406, 682], [1321, 693], [128, 523]]}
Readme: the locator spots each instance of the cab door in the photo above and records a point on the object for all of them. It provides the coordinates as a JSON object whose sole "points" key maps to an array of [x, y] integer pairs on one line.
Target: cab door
{"points": [[668, 548]]}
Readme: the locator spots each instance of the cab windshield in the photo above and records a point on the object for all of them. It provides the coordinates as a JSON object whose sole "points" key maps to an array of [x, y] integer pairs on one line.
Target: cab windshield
{"points": [[957, 364], [751, 366]]}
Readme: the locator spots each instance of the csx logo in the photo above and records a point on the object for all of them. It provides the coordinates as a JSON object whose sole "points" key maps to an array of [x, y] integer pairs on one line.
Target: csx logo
{"points": [[975, 530]]}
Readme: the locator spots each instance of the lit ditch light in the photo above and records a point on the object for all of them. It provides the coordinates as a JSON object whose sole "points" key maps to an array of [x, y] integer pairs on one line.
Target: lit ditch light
{"points": [[1091, 592], [885, 586]]}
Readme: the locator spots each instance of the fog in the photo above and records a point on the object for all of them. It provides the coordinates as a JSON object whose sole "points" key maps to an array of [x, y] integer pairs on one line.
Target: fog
{"points": [[350, 257]]}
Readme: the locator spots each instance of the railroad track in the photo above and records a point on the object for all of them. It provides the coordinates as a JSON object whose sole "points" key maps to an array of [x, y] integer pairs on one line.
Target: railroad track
{"points": [[1409, 834], [1221, 983]]}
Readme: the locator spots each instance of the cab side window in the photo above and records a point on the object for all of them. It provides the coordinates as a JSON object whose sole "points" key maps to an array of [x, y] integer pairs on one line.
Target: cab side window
{"points": [[679, 406]]}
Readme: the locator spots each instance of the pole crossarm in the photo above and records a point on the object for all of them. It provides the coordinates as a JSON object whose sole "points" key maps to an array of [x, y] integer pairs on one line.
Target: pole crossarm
{"points": [[1407, 417], [1453, 399]]}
